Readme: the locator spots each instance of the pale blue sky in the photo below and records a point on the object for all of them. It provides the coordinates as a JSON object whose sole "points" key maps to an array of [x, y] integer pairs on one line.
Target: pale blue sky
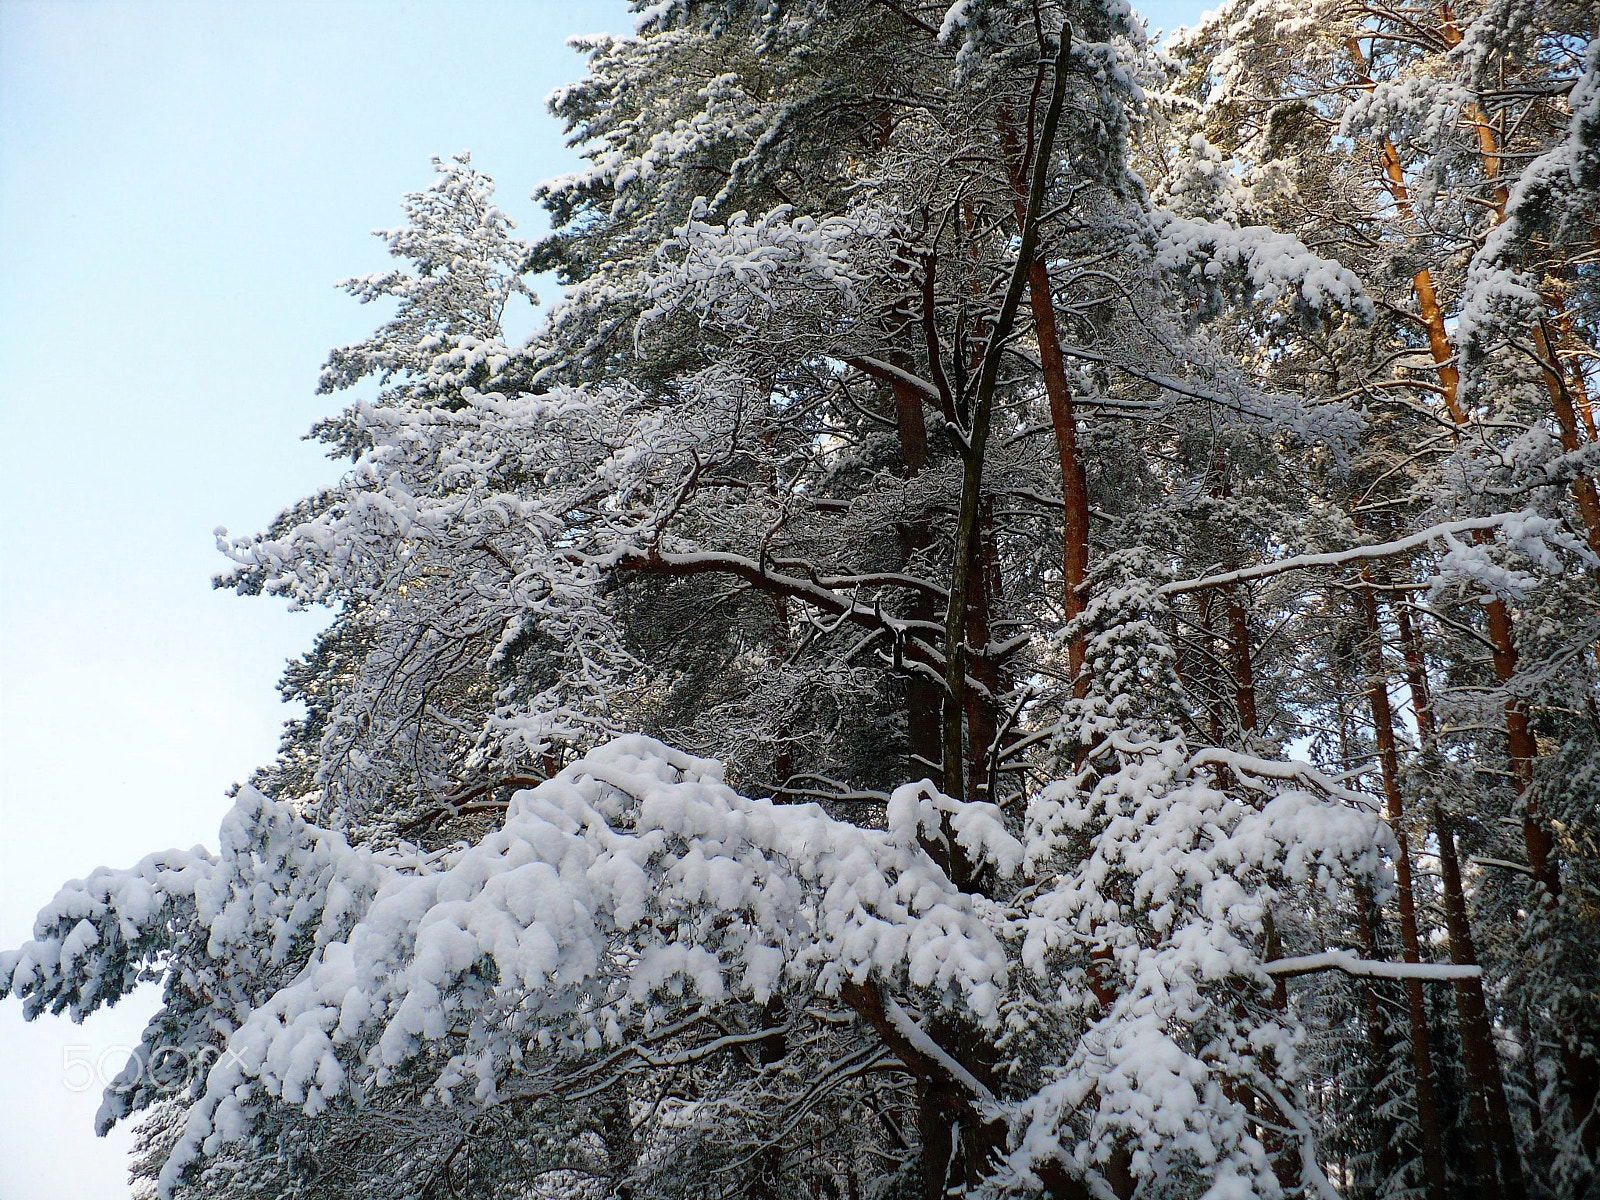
{"points": [[180, 186]]}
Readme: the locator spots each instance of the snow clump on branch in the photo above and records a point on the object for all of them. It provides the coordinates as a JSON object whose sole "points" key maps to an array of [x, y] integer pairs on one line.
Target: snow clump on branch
{"points": [[636, 884]]}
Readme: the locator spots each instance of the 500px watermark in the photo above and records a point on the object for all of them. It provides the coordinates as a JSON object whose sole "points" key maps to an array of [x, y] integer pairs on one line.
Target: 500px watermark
{"points": [[126, 1068]]}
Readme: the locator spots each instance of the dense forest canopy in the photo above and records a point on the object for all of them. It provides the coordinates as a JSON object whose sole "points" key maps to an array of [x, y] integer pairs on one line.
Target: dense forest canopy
{"points": [[1027, 626]]}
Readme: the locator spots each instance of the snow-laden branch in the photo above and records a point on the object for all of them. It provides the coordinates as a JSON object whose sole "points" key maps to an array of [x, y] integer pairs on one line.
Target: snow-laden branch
{"points": [[918, 1037], [890, 373], [633, 881], [813, 592], [1253, 772], [1275, 265], [1332, 423], [1145, 820], [1338, 558], [1338, 960], [634, 891], [745, 265]]}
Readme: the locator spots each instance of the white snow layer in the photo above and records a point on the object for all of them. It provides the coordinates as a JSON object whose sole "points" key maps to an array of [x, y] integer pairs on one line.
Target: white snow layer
{"points": [[636, 882]]}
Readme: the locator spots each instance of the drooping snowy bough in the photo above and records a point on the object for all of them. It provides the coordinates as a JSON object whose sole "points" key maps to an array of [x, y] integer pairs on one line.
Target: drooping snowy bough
{"points": [[633, 912]]}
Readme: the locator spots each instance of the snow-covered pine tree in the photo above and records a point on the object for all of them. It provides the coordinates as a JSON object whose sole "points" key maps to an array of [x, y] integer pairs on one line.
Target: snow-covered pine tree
{"points": [[365, 683], [817, 717], [1433, 140]]}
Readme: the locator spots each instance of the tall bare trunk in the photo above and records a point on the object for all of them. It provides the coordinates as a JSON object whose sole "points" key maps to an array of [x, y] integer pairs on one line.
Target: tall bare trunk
{"points": [[976, 442], [1064, 424], [1389, 767], [1244, 681], [922, 694], [1074, 485], [909, 422], [1493, 1134], [1208, 668], [982, 723]]}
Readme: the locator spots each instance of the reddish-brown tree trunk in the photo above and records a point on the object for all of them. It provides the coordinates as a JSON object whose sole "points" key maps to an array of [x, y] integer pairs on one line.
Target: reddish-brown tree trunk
{"points": [[1580, 389], [1487, 1092], [1583, 490], [1493, 1134], [1519, 741], [923, 697], [1521, 747], [1209, 668], [1074, 486], [1063, 421], [1389, 767], [912, 427], [1582, 1073], [1244, 680]]}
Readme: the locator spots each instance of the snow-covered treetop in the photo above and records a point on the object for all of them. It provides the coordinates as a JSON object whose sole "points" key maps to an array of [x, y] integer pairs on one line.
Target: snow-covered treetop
{"points": [[465, 268]]}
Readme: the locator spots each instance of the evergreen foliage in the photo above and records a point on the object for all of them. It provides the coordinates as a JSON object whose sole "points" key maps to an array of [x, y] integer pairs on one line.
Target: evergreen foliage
{"points": [[1026, 626]]}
